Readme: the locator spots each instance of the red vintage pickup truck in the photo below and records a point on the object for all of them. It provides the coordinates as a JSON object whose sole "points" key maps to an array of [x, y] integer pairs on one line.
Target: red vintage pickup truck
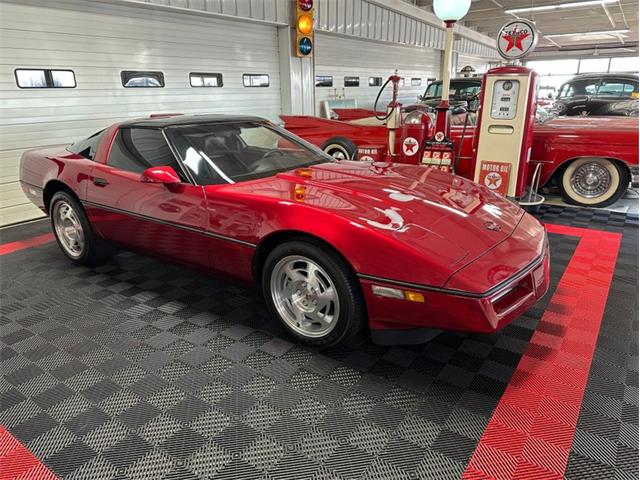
{"points": [[591, 159]]}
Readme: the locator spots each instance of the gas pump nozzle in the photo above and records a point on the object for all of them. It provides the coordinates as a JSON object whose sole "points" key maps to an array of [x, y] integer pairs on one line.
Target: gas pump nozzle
{"points": [[393, 116]]}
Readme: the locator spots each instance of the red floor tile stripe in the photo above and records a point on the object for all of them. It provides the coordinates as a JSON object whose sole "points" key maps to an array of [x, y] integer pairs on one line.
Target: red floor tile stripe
{"points": [[11, 247], [17, 463], [531, 431]]}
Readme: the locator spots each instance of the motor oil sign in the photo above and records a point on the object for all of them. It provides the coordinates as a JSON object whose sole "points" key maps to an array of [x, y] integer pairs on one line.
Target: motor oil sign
{"points": [[370, 153], [495, 176]]}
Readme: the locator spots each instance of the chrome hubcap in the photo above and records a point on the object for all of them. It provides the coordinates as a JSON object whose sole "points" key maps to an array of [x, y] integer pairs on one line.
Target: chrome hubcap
{"points": [[338, 154], [68, 228], [591, 180], [304, 296]]}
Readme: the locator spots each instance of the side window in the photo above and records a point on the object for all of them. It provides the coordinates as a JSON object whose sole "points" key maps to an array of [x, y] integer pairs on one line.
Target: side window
{"points": [[591, 88], [87, 146], [136, 149], [566, 91], [616, 88]]}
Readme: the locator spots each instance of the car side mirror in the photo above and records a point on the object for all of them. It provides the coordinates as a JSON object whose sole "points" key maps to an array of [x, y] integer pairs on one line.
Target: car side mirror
{"points": [[420, 98], [164, 175]]}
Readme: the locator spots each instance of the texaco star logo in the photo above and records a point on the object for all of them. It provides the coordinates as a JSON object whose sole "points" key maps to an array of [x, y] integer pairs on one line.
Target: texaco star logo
{"points": [[493, 180], [517, 39], [514, 39], [410, 146]]}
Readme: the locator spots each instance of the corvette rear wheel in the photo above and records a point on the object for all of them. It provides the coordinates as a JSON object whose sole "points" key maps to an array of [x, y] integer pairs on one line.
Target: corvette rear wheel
{"points": [[313, 293], [73, 231], [593, 182]]}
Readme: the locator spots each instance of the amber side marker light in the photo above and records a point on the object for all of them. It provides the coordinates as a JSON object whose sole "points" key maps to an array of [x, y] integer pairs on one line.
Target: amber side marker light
{"points": [[398, 294], [304, 172]]}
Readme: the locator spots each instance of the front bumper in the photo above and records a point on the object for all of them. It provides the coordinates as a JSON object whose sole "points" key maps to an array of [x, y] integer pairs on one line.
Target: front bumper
{"points": [[402, 321]]}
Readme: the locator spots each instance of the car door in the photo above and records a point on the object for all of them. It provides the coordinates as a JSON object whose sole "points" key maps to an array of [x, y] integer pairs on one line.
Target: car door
{"points": [[166, 220]]}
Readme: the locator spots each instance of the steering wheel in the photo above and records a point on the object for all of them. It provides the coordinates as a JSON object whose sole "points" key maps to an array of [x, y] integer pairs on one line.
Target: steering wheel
{"points": [[271, 153]]}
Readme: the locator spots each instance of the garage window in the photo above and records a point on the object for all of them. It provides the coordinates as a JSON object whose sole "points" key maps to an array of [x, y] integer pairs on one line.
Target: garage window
{"points": [[416, 82], [375, 81], [142, 79], [45, 78], [324, 81], [205, 79], [351, 81], [255, 80]]}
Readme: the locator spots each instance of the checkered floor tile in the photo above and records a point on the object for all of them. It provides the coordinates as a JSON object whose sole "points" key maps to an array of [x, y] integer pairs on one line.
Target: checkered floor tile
{"points": [[141, 369]]}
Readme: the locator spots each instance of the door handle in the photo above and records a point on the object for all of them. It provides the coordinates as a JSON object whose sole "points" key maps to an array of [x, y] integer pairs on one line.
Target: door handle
{"points": [[100, 182]]}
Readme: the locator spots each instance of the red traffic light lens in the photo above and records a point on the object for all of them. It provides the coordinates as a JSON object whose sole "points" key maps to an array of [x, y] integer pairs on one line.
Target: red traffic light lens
{"points": [[305, 5]]}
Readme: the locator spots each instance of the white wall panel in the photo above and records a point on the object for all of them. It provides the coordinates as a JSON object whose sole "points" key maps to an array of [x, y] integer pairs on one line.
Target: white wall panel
{"points": [[339, 56], [98, 40]]}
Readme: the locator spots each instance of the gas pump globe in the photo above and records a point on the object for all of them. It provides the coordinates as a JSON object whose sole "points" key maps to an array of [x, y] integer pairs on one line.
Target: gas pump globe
{"points": [[439, 150]]}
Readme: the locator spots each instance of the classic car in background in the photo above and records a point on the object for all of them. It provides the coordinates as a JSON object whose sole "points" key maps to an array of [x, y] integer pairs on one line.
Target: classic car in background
{"points": [[335, 246], [609, 94], [591, 159], [461, 92]]}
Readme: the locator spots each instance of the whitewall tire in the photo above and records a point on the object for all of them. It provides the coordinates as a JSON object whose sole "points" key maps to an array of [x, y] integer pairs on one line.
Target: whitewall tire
{"points": [[593, 182]]}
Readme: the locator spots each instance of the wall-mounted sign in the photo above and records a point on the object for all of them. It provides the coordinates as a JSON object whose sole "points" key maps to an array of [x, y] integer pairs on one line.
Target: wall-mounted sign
{"points": [[517, 39]]}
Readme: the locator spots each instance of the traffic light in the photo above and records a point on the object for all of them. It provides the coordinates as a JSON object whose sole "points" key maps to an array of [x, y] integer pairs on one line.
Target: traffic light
{"points": [[304, 28]]}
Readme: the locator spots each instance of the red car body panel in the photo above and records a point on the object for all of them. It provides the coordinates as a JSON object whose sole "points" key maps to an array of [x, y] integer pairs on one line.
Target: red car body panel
{"points": [[400, 225], [555, 142]]}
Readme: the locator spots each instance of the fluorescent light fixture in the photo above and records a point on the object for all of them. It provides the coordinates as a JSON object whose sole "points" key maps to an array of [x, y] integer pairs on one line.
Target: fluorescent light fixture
{"points": [[584, 34], [559, 6]]}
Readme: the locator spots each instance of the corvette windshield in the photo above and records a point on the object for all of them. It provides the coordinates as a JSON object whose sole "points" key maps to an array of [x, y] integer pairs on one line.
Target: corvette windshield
{"points": [[217, 153]]}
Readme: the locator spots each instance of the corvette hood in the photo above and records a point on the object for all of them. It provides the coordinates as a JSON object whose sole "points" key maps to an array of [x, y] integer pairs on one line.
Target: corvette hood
{"points": [[433, 212]]}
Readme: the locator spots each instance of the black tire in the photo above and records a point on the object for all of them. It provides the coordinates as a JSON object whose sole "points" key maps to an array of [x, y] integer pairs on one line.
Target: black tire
{"points": [[352, 315], [619, 182], [95, 249], [340, 146]]}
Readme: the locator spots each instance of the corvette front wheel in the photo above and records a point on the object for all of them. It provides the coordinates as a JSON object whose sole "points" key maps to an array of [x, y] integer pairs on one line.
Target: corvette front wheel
{"points": [[313, 293]]}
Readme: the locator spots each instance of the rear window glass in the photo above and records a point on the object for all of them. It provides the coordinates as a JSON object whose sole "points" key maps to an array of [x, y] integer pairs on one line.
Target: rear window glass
{"points": [[87, 146]]}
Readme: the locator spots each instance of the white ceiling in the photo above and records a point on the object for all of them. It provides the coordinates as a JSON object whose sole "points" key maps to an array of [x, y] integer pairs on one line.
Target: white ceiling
{"points": [[487, 16]]}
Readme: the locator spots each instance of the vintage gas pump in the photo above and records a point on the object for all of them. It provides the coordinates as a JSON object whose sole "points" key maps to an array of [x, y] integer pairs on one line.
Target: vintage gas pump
{"points": [[393, 117], [417, 128], [506, 119], [393, 122]]}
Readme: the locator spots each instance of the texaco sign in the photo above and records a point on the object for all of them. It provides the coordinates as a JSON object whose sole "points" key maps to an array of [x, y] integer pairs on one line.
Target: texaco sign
{"points": [[517, 39]]}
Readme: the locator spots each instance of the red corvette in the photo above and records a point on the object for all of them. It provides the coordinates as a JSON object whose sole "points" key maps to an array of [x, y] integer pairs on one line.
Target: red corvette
{"points": [[335, 245], [591, 159]]}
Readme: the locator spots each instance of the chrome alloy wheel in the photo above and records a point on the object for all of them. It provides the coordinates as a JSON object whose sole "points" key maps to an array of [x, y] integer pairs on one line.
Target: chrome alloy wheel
{"points": [[591, 180], [68, 229], [305, 296]]}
